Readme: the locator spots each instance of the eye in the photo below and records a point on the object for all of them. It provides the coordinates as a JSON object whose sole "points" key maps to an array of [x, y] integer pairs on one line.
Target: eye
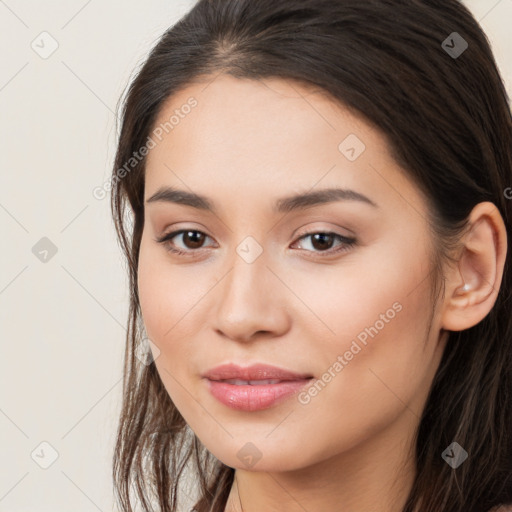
{"points": [[193, 239], [189, 236], [323, 241]]}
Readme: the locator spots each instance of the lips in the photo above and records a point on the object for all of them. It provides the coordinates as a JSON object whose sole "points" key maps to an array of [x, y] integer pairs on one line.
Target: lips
{"points": [[253, 373], [255, 387], [240, 382]]}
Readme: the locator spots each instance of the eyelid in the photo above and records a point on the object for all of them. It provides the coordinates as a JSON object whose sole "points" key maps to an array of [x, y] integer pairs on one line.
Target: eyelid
{"points": [[334, 231]]}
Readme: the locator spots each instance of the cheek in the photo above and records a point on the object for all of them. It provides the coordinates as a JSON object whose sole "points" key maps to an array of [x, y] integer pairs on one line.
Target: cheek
{"points": [[154, 301], [378, 360], [377, 295], [172, 301], [167, 293], [164, 305]]}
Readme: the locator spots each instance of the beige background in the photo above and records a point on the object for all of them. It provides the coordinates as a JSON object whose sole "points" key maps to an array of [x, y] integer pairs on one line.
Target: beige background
{"points": [[62, 321]]}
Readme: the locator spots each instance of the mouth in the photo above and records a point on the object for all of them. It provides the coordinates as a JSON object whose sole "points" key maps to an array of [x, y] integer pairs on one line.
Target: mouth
{"points": [[253, 374], [254, 395], [253, 388], [240, 382]]}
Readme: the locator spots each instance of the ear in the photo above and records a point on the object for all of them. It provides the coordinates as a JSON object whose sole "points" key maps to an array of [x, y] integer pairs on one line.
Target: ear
{"points": [[472, 285]]}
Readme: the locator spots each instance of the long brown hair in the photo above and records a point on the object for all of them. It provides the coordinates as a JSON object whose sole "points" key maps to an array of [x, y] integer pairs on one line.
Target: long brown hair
{"points": [[439, 99]]}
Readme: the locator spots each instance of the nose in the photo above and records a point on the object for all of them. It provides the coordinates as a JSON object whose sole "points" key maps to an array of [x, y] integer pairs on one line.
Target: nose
{"points": [[251, 302]]}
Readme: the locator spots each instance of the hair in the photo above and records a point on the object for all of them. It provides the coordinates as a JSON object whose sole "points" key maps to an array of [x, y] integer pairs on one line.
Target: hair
{"points": [[448, 123]]}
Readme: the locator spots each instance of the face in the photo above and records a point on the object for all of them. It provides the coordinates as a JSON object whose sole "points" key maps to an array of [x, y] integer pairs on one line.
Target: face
{"points": [[337, 290]]}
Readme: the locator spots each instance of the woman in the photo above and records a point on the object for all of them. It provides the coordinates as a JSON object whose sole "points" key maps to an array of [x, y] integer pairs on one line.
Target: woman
{"points": [[319, 199]]}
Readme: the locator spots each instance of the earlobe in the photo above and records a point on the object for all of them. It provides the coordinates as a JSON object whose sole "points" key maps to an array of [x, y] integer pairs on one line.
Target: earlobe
{"points": [[473, 285]]}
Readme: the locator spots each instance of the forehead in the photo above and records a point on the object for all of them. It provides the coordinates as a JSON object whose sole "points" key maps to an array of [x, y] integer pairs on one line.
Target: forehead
{"points": [[267, 115], [271, 136]]}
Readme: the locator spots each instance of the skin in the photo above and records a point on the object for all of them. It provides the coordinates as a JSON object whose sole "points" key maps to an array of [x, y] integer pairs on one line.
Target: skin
{"points": [[244, 145]]}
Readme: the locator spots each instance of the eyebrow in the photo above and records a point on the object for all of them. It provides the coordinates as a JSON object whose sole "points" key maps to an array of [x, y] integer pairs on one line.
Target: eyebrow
{"points": [[299, 201]]}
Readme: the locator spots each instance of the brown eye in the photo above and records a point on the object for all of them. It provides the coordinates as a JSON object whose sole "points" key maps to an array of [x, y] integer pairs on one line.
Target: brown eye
{"points": [[192, 240], [322, 242]]}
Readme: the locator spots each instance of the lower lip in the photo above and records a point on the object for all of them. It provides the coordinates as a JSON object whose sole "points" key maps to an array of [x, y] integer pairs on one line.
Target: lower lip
{"points": [[254, 398]]}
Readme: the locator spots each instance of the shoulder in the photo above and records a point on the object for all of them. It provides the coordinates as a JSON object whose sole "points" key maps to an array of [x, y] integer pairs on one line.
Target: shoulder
{"points": [[501, 508]]}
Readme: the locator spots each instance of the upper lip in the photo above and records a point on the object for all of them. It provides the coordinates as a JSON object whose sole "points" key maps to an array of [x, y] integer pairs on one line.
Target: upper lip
{"points": [[254, 372]]}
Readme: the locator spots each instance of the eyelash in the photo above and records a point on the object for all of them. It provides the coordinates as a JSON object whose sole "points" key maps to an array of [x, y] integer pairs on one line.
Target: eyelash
{"points": [[348, 243]]}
